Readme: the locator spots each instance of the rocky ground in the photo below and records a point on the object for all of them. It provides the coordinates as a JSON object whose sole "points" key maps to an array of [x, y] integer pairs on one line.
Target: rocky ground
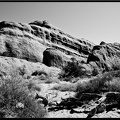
{"points": [[55, 111]]}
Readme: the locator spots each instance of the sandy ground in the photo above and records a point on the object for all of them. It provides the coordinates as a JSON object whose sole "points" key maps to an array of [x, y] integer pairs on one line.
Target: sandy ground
{"points": [[55, 95]]}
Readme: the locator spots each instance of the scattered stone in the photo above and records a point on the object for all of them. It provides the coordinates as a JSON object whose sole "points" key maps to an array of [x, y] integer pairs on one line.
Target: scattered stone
{"points": [[20, 105]]}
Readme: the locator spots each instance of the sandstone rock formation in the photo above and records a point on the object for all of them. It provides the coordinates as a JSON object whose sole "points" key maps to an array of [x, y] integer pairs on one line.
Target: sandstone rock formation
{"points": [[53, 57], [60, 41], [106, 56], [16, 41], [40, 41], [56, 38]]}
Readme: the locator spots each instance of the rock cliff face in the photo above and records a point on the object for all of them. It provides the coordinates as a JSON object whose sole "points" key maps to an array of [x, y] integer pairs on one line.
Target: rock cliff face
{"points": [[106, 56], [29, 41], [39, 41]]}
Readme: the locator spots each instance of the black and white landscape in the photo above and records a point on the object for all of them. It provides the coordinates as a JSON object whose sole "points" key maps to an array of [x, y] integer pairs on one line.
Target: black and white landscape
{"points": [[45, 72]]}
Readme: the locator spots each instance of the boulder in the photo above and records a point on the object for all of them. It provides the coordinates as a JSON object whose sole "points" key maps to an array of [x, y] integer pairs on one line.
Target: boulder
{"points": [[106, 56], [52, 57]]}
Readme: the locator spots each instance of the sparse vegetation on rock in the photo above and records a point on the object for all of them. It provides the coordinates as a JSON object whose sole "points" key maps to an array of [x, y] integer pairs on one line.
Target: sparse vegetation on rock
{"points": [[72, 69]]}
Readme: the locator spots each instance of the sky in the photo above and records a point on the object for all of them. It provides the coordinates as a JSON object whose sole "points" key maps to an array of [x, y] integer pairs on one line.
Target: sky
{"points": [[94, 21]]}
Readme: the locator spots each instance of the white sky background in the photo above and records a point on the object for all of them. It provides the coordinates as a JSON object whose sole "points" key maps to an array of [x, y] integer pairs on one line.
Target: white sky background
{"points": [[94, 21]]}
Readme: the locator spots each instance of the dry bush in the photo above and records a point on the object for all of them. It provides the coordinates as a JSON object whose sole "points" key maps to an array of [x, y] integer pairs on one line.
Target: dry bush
{"points": [[113, 85], [116, 66], [52, 80], [107, 82], [72, 69], [32, 85], [64, 87], [14, 89]]}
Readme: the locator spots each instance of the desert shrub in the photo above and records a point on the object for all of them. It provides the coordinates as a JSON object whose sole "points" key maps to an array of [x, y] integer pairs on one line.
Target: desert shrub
{"points": [[114, 85], [64, 87], [88, 87], [116, 67], [72, 69], [14, 89], [114, 73], [33, 86], [52, 80], [109, 81]]}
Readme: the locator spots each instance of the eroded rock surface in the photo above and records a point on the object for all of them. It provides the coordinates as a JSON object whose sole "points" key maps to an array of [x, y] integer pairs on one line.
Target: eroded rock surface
{"points": [[106, 56], [28, 41], [40, 41]]}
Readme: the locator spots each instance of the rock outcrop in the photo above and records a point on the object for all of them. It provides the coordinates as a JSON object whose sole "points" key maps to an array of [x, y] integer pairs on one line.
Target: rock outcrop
{"points": [[53, 57], [106, 56], [28, 41], [16, 42], [40, 41], [56, 38]]}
